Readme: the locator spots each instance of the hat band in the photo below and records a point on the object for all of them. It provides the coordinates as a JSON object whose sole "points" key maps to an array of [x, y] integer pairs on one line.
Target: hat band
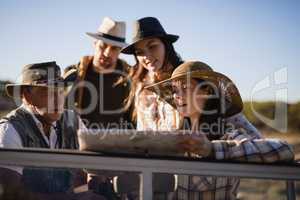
{"points": [[119, 39], [52, 81], [143, 35], [43, 81]]}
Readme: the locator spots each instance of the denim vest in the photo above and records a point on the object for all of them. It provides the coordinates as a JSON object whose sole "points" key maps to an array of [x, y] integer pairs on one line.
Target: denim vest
{"points": [[45, 180]]}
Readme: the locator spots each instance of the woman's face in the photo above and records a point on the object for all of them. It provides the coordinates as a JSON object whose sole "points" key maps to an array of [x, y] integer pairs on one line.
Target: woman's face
{"points": [[189, 97], [150, 53]]}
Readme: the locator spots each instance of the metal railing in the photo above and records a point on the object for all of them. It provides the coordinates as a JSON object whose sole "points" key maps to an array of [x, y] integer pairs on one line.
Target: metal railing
{"points": [[149, 165]]}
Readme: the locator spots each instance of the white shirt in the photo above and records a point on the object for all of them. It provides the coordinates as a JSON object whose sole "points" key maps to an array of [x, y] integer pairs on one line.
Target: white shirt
{"points": [[9, 137], [154, 113]]}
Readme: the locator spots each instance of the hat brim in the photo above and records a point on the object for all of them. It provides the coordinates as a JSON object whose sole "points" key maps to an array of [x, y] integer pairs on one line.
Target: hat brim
{"points": [[130, 48], [223, 83], [108, 41], [14, 90]]}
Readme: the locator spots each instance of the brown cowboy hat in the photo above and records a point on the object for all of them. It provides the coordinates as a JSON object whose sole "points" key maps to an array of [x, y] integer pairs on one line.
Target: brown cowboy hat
{"points": [[145, 28], [200, 70], [45, 74]]}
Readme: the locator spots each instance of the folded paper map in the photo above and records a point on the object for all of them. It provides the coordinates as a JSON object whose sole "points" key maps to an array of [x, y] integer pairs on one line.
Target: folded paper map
{"points": [[130, 141]]}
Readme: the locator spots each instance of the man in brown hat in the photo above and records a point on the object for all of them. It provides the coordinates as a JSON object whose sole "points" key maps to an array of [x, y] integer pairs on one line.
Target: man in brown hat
{"points": [[40, 122]]}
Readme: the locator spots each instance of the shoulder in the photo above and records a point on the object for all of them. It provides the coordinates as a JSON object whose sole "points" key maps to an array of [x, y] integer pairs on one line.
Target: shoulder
{"points": [[15, 117], [125, 66], [238, 134], [84, 62], [238, 118], [5, 128], [9, 138], [74, 71], [240, 121]]}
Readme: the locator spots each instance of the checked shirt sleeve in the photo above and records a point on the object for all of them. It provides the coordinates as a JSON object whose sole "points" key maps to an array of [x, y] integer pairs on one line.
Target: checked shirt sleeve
{"points": [[239, 146], [240, 121]]}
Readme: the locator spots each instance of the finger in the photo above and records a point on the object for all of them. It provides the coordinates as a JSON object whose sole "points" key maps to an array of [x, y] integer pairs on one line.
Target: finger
{"points": [[187, 142], [189, 148]]}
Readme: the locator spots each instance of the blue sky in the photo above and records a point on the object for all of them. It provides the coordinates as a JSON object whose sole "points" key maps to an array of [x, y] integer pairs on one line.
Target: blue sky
{"points": [[247, 40]]}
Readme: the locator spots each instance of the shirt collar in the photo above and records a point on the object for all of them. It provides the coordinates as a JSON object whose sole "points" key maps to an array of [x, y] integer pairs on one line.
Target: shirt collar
{"points": [[31, 112]]}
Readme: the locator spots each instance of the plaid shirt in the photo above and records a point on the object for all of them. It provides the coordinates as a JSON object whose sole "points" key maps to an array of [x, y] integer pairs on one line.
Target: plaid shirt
{"points": [[237, 145], [245, 143]]}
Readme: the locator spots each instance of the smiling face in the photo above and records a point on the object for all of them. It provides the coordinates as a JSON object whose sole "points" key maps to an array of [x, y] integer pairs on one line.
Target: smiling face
{"points": [[189, 97], [150, 53]]}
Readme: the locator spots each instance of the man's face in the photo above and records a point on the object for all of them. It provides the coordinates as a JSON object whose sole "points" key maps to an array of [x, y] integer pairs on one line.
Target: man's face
{"points": [[106, 55], [47, 102]]}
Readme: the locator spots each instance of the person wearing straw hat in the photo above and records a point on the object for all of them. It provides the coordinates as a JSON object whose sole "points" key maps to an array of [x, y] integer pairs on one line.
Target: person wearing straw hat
{"points": [[40, 122], [100, 89], [205, 98]]}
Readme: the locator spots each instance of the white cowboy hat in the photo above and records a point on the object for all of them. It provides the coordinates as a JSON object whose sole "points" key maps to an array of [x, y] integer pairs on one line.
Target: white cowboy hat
{"points": [[111, 32]]}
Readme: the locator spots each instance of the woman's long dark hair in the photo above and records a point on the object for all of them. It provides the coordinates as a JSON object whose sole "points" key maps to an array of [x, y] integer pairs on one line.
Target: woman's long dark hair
{"points": [[138, 72]]}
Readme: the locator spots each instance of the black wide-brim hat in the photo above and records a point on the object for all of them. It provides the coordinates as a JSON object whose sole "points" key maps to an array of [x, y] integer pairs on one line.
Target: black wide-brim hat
{"points": [[146, 28], [47, 74]]}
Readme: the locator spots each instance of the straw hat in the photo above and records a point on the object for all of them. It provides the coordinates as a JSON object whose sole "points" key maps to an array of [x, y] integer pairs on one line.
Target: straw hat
{"points": [[200, 70]]}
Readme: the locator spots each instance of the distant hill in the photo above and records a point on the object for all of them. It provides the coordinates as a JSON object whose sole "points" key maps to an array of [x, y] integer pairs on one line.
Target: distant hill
{"points": [[267, 109]]}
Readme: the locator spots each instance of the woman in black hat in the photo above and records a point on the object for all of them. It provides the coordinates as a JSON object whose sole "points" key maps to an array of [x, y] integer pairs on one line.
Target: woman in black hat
{"points": [[155, 58]]}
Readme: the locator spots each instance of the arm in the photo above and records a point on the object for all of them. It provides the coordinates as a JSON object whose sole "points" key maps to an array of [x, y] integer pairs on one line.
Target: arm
{"points": [[240, 121], [11, 176], [9, 138], [239, 146]]}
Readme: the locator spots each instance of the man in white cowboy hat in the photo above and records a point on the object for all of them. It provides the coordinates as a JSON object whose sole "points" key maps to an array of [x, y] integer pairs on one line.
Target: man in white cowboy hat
{"points": [[40, 122], [99, 92], [99, 89]]}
